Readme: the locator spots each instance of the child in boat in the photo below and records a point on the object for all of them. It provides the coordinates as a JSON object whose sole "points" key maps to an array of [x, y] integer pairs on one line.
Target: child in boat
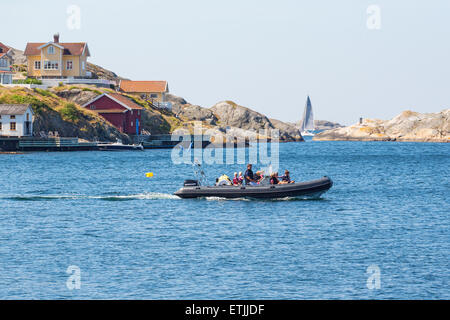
{"points": [[241, 178], [274, 178], [259, 176], [236, 180]]}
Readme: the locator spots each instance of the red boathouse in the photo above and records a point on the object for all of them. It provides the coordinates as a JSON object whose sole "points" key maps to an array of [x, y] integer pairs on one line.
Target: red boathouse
{"points": [[120, 111]]}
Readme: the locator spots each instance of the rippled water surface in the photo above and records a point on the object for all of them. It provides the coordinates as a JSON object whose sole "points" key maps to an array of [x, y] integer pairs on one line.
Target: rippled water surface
{"points": [[131, 238]]}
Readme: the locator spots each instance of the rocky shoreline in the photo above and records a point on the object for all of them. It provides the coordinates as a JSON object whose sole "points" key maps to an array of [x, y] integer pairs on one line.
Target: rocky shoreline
{"points": [[408, 126], [51, 109]]}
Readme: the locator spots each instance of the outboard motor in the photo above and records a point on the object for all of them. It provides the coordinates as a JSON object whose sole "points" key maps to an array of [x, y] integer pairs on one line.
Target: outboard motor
{"points": [[191, 183]]}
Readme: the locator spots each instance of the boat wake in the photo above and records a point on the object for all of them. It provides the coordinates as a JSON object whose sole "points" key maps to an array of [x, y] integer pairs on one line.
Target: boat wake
{"points": [[224, 199], [109, 197]]}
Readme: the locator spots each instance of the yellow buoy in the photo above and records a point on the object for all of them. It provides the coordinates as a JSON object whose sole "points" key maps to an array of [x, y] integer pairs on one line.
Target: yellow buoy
{"points": [[149, 174]]}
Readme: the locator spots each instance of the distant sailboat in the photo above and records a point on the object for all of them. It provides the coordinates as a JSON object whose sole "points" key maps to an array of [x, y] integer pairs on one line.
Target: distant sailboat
{"points": [[307, 126]]}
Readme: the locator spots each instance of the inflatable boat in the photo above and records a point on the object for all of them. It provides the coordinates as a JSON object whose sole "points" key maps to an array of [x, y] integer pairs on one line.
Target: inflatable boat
{"points": [[309, 189]]}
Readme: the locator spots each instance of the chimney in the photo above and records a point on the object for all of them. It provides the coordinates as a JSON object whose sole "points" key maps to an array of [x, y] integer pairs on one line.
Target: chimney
{"points": [[56, 38]]}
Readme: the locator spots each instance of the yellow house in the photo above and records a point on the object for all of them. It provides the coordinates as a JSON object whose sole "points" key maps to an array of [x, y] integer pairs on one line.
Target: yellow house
{"points": [[54, 60]]}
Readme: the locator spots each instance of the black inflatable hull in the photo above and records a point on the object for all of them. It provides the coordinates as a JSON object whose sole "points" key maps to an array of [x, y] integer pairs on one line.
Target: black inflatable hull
{"points": [[313, 189]]}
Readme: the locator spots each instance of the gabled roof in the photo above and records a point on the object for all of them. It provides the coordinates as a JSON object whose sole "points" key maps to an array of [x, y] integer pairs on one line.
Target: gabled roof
{"points": [[5, 50], [144, 86], [50, 43], [125, 101], [120, 99], [14, 109], [70, 48]]}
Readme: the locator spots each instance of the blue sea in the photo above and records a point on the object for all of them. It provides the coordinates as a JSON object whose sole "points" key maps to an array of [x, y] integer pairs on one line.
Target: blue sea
{"points": [[130, 238]]}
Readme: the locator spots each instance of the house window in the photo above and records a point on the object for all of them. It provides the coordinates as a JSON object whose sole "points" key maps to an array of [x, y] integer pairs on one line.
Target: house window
{"points": [[153, 95], [131, 123], [12, 126], [83, 66], [6, 79], [12, 117], [51, 65], [51, 50], [69, 65], [37, 65], [92, 107], [28, 117], [0, 126], [3, 62]]}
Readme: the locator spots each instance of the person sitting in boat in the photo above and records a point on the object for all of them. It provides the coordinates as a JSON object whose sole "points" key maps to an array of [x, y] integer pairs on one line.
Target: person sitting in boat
{"points": [[259, 176], [249, 177], [224, 180], [274, 178], [241, 178], [286, 179], [236, 180]]}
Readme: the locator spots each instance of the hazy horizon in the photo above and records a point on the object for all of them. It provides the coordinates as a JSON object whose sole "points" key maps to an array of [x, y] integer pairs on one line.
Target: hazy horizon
{"points": [[263, 55]]}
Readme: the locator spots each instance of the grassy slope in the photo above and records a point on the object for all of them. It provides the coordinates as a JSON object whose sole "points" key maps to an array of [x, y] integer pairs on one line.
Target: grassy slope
{"points": [[54, 113], [154, 120]]}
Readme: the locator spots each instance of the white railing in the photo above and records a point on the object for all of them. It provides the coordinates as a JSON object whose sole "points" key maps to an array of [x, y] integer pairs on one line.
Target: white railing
{"points": [[51, 142], [56, 82], [26, 85], [163, 105], [90, 81]]}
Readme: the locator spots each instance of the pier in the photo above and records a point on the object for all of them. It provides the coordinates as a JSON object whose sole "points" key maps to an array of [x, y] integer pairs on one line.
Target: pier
{"points": [[164, 141], [11, 144]]}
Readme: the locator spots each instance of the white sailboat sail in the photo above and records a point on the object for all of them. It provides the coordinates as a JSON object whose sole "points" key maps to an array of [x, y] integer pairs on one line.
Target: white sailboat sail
{"points": [[308, 117]]}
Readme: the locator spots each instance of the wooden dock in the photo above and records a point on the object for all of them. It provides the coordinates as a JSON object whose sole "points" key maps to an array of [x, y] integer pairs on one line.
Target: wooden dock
{"points": [[56, 144], [29, 144], [9, 144], [164, 141]]}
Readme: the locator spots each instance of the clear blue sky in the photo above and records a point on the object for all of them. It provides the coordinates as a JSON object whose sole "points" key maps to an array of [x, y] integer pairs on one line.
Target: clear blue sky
{"points": [[266, 55]]}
